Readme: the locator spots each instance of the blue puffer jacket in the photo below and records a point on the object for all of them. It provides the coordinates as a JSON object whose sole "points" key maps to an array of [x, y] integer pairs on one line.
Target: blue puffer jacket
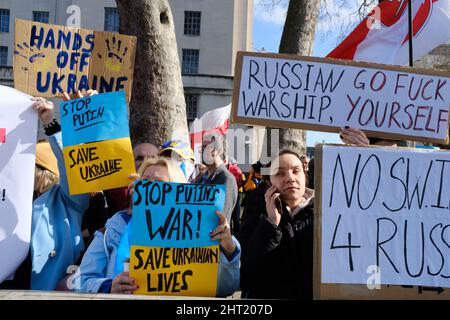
{"points": [[99, 266], [56, 238]]}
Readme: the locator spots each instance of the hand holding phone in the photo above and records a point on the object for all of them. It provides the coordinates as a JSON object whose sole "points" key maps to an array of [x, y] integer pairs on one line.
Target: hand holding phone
{"points": [[273, 204]]}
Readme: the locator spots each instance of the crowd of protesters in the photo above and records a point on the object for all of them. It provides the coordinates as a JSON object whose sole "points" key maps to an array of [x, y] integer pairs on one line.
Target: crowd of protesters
{"points": [[265, 229]]}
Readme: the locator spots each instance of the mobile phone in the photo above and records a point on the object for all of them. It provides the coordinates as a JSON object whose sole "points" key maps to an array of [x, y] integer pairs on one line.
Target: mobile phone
{"points": [[279, 204]]}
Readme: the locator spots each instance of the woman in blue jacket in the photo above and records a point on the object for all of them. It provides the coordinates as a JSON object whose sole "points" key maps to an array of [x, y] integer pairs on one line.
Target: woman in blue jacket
{"points": [[56, 237], [101, 269]]}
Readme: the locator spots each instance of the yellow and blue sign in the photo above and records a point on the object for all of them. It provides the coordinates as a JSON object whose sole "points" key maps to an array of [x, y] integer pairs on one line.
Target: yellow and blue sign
{"points": [[98, 166], [96, 118], [171, 250], [96, 138]]}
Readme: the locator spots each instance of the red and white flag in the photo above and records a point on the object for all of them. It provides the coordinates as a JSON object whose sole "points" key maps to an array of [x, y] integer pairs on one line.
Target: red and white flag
{"points": [[382, 37], [214, 121]]}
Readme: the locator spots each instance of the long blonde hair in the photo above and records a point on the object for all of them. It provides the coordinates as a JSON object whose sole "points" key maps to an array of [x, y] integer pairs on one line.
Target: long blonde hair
{"points": [[175, 173], [43, 180]]}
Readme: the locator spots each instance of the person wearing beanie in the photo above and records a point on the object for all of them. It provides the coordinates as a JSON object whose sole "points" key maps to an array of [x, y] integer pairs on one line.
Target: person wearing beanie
{"points": [[46, 169], [56, 239]]}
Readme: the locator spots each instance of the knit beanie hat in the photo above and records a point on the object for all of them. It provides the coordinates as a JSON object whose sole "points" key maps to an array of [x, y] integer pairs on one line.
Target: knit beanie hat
{"points": [[45, 157]]}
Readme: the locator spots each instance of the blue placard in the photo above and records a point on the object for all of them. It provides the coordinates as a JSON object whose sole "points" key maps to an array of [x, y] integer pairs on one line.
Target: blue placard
{"points": [[175, 215], [100, 117]]}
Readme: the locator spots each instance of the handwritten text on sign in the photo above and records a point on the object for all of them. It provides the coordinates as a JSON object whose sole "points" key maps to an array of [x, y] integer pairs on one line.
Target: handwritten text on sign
{"points": [[50, 59], [100, 117], [99, 165], [320, 95], [388, 208], [171, 250]]}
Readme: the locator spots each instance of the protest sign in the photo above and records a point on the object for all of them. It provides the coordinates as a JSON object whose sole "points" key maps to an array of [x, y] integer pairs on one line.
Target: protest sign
{"points": [[291, 91], [50, 59], [171, 250], [18, 129], [96, 118], [98, 166], [96, 138], [382, 223]]}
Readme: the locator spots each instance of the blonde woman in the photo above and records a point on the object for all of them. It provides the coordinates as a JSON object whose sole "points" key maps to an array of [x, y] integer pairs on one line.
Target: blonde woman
{"points": [[102, 265]]}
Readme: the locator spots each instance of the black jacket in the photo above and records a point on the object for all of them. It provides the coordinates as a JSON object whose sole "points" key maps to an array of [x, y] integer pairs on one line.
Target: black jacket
{"points": [[253, 204], [277, 261]]}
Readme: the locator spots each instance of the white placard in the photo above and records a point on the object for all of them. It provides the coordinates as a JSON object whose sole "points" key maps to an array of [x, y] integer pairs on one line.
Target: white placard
{"points": [[18, 128], [386, 208], [318, 94]]}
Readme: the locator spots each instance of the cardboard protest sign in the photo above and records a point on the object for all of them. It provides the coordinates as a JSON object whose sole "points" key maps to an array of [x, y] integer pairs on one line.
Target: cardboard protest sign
{"points": [[96, 138], [171, 250], [50, 59], [96, 118], [18, 129], [324, 94], [382, 223], [98, 166]]}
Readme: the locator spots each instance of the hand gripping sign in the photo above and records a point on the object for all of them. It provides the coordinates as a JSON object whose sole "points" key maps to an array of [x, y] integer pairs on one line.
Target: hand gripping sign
{"points": [[171, 249]]}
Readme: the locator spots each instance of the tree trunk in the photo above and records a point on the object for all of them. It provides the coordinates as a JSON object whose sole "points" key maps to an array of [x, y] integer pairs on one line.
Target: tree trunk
{"points": [[157, 107], [298, 38], [300, 27]]}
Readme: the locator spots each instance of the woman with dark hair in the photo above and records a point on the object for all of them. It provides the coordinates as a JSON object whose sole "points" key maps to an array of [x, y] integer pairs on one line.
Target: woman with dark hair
{"points": [[277, 259]]}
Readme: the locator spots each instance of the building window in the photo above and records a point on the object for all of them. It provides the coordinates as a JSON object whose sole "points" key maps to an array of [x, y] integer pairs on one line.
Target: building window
{"points": [[112, 19], [190, 61], [40, 16], [3, 56], [4, 20], [192, 23], [191, 106]]}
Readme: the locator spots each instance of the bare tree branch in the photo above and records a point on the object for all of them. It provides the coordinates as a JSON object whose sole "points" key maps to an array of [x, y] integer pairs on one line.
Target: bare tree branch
{"points": [[341, 15]]}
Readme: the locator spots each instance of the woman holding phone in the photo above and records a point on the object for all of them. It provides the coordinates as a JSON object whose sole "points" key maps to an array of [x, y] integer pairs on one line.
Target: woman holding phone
{"points": [[280, 250]]}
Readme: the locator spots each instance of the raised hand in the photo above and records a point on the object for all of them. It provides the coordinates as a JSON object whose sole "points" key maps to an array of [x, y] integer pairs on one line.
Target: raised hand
{"points": [[44, 109], [353, 136], [223, 234], [79, 94]]}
